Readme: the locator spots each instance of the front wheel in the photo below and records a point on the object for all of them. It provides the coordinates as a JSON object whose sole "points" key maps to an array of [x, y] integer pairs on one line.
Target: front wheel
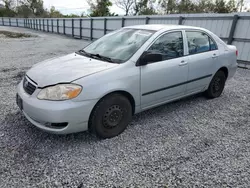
{"points": [[216, 85], [111, 116]]}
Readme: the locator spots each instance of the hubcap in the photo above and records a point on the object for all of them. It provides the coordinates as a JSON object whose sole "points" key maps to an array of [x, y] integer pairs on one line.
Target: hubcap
{"points": [[112, 116], [217, 84]]}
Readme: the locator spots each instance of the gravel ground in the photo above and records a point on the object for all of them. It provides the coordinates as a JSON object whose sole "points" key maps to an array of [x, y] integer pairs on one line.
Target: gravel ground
{"points": [[193, 142]]}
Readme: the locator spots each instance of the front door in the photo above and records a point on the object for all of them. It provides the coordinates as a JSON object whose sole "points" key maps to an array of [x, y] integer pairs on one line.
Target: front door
{"points": [[164, 80]]}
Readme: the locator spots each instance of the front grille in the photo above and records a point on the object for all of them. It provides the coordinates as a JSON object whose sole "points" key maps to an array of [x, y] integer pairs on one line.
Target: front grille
{"points": [[28, 86]]}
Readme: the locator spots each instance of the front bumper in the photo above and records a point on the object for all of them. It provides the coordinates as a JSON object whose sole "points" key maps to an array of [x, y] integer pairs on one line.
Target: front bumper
{"points": [[42, 113]]}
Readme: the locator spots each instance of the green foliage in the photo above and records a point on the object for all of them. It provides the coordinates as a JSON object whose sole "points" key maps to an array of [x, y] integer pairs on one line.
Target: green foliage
{"points": [[144, 7], [169, 6], [7, 10], [23, 11], [100, 8], [71, 16], [200, 6], [35, 8], [53, 13]]}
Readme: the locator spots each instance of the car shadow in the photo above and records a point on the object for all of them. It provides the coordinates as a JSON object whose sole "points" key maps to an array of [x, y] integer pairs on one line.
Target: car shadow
{"points": [[24, 137]]}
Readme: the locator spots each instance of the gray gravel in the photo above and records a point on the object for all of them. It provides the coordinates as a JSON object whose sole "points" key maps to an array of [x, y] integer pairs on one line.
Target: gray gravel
{"points": [[193, 142]]}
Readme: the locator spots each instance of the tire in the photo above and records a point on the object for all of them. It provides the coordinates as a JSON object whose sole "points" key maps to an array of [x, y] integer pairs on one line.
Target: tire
{"points": [[110, 116], [216, 85]]}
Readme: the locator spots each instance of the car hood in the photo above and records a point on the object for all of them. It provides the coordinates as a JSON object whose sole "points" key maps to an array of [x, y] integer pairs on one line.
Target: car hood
{"points": [[66, 69]]}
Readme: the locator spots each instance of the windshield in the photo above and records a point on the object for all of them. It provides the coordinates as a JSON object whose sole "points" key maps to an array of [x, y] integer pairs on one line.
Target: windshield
{"points": [[119, 45]]}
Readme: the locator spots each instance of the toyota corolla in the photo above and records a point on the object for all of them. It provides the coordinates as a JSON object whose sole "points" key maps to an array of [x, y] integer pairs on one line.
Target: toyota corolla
{"points": [[101, 86]]}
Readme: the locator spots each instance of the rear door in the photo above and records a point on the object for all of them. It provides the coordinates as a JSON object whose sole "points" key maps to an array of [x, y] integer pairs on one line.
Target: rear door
{"points": [[203, 54]]}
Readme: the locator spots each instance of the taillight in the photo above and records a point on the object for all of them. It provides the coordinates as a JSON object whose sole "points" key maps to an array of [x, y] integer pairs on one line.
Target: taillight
{"points": [[236, 52]]}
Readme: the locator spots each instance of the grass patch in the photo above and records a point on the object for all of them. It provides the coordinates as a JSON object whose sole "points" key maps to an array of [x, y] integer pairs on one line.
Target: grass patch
{"points": [[9, 34]]}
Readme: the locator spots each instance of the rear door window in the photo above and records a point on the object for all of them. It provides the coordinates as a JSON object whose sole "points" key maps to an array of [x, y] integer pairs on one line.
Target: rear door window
{"points": [[199, 42]]}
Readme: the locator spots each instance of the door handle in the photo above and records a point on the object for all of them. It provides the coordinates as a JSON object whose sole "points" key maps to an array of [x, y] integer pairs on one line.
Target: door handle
{"points": [[182, 63]]}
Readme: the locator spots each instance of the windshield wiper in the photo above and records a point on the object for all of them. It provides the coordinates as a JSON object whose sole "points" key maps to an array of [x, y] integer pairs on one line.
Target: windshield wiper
{"points": [[103, 58], [97, 56], [82, 52]]}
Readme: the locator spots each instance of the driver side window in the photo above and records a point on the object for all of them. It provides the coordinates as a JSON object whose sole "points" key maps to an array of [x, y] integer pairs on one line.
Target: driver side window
{"points": [[169, 45]]}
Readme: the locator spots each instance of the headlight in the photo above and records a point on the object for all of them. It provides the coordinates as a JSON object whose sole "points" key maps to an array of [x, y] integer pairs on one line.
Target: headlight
{"points": [[60, 92]]}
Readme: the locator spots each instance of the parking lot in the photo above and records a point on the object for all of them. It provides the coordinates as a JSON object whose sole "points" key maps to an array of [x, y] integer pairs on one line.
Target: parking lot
{"points": [[193, 142]]}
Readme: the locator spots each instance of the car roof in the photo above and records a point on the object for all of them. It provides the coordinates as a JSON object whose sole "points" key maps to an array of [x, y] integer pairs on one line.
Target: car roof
{"points": [[157, 27]]}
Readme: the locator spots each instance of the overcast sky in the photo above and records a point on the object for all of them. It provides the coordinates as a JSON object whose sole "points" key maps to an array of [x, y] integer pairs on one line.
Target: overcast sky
{"points": [[79, 6], [74, 6]]}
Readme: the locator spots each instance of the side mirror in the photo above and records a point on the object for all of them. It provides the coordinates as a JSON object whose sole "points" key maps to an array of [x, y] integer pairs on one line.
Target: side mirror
{"points": [[148, 58]]}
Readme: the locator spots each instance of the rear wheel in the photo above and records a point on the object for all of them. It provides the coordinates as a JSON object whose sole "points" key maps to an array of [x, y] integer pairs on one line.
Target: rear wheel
{"points": [[111, 116], [216, 85]]}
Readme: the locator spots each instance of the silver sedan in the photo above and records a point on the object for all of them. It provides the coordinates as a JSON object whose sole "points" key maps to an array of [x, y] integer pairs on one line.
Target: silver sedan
{"points": [[123, 73]]}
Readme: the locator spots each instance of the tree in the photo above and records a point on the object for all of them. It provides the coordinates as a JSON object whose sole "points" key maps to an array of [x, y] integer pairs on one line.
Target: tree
{"points": [[144, 7], [36, 6], [100, 8], [186, 6], [125, 5], [168, 6], [53, 13], [7, 9], [23, 11], [231, 6], [239, 5], [71, 16], [205, 6], [222, 7]]}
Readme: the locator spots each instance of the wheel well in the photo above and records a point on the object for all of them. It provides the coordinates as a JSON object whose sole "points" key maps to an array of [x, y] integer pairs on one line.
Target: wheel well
{"points": [[225, 70], [124, 93], [130, 98]]}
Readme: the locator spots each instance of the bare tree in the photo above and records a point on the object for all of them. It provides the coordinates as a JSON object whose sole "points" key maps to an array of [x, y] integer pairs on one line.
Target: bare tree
{"points": [[240, 5], [8, 4], [125, 5]]}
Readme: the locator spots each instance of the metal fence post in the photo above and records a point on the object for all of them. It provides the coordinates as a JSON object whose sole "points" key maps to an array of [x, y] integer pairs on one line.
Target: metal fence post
{"points": [[231, 34], [39, 23], [47, 25], [180, 20], [57, 24], [91, 29], [43, 25], [3, 20], [52, 25], [9, 22], [80, 28], [123, 20], [17, 22], [64, 26], [73, 27], [105, 26], [147, 20]]}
